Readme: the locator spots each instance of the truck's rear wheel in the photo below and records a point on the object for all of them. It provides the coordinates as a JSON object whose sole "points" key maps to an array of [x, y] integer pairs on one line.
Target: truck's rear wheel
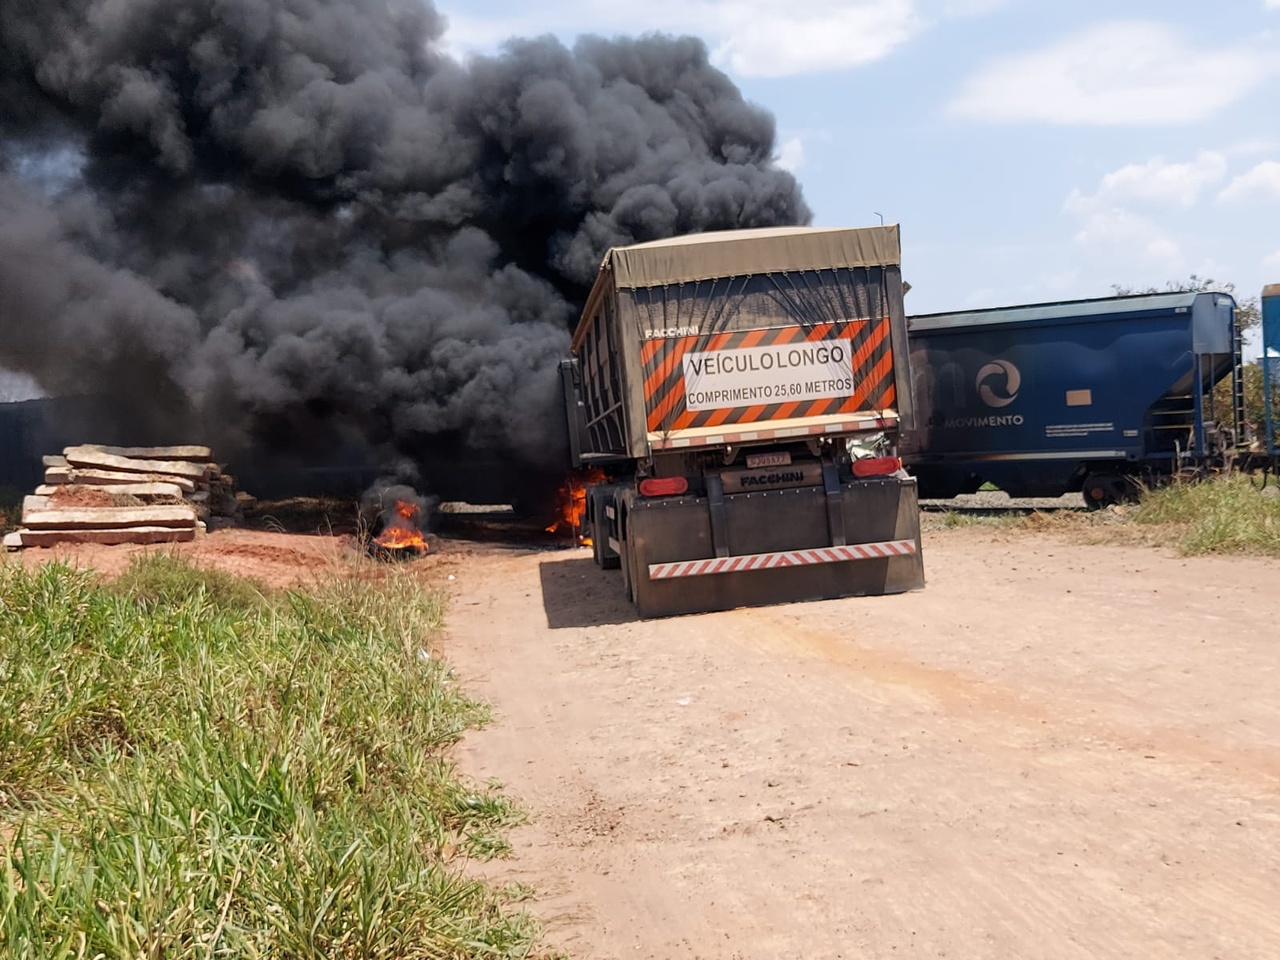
{"points": [[605, 556], [620, 524], [608, 559], [601, 503]]}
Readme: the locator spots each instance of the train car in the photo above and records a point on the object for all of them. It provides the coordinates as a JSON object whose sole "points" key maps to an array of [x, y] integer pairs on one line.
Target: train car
{"points": [[1096, 396]]}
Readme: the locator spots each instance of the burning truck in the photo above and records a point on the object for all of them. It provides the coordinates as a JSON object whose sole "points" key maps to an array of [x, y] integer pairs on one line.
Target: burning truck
{"points": [[716, 384]]}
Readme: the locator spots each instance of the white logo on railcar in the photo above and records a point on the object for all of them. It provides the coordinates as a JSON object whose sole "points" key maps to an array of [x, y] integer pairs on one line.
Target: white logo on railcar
{"points": [[1012, 381]]}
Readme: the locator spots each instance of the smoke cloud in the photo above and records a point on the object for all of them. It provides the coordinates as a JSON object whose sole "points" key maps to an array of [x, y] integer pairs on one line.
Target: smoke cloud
{"points": [[287, 217]]}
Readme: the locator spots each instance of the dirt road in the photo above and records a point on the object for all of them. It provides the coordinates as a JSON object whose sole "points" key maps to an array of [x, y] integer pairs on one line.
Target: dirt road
{"points": [[1054, 751]]}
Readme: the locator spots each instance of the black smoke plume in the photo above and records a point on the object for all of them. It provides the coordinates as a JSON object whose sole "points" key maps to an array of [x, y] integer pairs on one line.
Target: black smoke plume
{"points": [[282, 222]]}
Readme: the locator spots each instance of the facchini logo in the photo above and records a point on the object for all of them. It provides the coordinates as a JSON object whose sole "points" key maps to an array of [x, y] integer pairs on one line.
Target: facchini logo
{"points": [[1012, 381]]}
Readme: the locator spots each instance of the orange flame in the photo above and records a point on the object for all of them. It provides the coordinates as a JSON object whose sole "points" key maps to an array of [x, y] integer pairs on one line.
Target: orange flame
{"points": [[571, 502], [401, 531]]}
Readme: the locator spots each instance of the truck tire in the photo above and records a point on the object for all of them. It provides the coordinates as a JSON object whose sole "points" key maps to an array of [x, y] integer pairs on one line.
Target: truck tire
{"points": [[600, 500], [624, 550], [608, 559]]}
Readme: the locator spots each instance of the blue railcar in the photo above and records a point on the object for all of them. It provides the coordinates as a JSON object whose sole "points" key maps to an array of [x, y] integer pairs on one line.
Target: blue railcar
{"points": [[1090, 395]]}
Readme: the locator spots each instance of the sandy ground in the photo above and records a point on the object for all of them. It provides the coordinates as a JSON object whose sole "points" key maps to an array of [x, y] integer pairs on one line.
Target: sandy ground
{"points": [[1054, 751]]}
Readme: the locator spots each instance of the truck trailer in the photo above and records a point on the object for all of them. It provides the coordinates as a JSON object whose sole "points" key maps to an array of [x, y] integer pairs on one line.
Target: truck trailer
{"points": [[1100, 396], [716, 387]]}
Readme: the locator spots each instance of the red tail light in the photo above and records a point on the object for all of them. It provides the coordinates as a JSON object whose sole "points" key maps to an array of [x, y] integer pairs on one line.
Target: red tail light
{"points": [[663, 487], [876, 466]]}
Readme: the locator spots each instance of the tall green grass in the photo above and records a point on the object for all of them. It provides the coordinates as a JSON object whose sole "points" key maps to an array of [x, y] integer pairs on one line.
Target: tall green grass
{"points": [[1228, 514], [191, 767]]}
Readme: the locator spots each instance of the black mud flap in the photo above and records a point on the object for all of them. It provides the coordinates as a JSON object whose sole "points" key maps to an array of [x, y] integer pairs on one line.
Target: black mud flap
{"points": [[790, 530]]}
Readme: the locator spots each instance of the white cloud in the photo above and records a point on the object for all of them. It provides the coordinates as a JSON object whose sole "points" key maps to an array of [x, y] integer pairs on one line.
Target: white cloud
{"points": [[969, 8], [1109, 224], [1271, 4], [1251, 147], [1260, 183], [1125, 72], [1159, 182], [766, 39], [1115, 233], [1272, 262], [761, 38], [791, 155], [1109, 228]]}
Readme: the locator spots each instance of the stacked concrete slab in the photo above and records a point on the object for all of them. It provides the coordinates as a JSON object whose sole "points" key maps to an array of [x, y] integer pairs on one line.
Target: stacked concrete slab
{"points": [[114, 495]]}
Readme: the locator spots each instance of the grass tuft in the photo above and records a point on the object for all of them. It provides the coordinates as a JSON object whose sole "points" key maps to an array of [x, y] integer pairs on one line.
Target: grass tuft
{"points": [[167, 579], [1230, 514], [196, 768], [995, 519]]}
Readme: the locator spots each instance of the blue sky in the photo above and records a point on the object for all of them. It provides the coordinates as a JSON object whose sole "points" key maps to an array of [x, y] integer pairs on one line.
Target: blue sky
{"points": [[1030, 151]]}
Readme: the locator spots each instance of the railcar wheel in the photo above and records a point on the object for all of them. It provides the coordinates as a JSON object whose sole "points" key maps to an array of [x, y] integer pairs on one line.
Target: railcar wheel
{"points": [[1102, 490]]}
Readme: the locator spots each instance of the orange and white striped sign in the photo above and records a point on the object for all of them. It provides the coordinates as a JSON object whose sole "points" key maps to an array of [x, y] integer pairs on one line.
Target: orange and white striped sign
{"points": [[758, 376], [785, 558]]}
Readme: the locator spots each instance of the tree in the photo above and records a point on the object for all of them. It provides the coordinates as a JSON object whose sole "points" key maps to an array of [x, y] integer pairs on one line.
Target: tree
{"points": [[1253, 401], [1248, 310]]}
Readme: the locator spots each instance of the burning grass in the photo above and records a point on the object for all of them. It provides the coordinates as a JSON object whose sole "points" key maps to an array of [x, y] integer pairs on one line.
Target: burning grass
{"points": [[197, 767]]}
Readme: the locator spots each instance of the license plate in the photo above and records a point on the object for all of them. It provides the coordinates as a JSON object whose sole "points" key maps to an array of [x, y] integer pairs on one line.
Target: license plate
{"points": [[755, 460]]}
